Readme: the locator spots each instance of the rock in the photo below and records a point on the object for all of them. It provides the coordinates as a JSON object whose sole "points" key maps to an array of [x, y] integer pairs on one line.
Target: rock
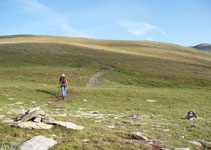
{"points": [[134, 116], [16, 111], [166, 130], [28, 116], [151, 101], [98, 121], [7, 120], [139, 136], [48, 120], [183, 148], [69, 125], [11, 99], [33, 109], [206, 141], [81, 108], [2, 116], [31, 125], [19, 103], [111, 126], [38, 119], [195, 143], [41, 113], [38, 143], [94, 112], [85, 100], [33, 102], [1, 109], [85, 140]]}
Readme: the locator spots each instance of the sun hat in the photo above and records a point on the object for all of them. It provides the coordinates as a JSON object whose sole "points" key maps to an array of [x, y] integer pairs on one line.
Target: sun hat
{"points": [[63, 75]]}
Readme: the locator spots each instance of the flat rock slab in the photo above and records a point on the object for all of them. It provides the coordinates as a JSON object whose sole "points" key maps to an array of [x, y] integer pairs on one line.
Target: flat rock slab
{"points": [[69, 125], [8, 120], [38, 143], [19, 103], [139, 136], [182, 148], [2, 116], [32, 125], [151, 100], [195, 143]]}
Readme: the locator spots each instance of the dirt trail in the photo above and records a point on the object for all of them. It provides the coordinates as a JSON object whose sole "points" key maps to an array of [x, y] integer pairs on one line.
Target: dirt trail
{"points": [[58, 97], [93, 81]]}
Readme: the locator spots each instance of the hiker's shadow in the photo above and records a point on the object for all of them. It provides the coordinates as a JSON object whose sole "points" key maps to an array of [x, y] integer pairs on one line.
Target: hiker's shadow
{"points": [[46, 92]]}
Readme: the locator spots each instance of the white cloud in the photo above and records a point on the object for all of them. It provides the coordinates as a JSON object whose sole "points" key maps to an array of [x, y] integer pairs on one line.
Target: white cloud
{"points": [[52, 17], [141, 29]]}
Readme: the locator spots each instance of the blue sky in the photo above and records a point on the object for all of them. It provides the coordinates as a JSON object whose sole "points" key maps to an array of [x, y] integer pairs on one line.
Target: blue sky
{"points": [[183, 22]]}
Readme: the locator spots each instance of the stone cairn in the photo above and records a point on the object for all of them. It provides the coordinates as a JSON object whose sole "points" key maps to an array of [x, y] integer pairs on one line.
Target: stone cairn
{"points": [[37, 119]]}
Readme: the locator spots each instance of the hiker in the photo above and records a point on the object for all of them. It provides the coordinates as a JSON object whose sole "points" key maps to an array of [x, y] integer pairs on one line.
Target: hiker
{"points": [[63, 83]]}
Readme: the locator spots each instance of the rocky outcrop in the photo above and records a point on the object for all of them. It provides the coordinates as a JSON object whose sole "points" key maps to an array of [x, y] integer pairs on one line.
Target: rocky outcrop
{"points": [[37, 119]]}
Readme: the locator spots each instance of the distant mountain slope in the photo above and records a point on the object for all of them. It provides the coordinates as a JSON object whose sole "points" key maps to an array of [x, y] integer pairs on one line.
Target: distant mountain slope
{"points": [[203, 46]]}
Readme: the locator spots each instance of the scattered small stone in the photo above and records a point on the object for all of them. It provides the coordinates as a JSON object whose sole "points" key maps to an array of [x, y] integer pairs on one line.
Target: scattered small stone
{"points": [[19, 103], [38, 142], [195, 143], [53, 135], [2, 116], [165, 149], [182, 137], [98, 121], [208, 142], [136, 116], [115, 118], [1, 109], [94, 112], [85, 140], [85, 100], [166, 130], [33, 102], [16, 111], [57, 109], [7, 120], [139, 136], [151, 101], [81, 108], [11, 99], [182, 148], [111, 126]]}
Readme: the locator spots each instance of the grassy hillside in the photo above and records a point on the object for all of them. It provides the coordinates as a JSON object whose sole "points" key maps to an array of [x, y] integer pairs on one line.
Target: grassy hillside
{"points": [[203, 46], [178, 78]]}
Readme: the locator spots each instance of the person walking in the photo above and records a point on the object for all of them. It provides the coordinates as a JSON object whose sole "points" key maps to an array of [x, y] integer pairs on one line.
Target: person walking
{"points": [[63, 83]]}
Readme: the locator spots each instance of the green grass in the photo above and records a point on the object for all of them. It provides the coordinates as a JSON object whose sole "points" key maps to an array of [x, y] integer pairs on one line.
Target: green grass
{"points": [[178, 78]]}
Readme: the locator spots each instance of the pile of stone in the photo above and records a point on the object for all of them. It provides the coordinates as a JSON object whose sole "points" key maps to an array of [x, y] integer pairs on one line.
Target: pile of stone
{"points": [[37, 119]]}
